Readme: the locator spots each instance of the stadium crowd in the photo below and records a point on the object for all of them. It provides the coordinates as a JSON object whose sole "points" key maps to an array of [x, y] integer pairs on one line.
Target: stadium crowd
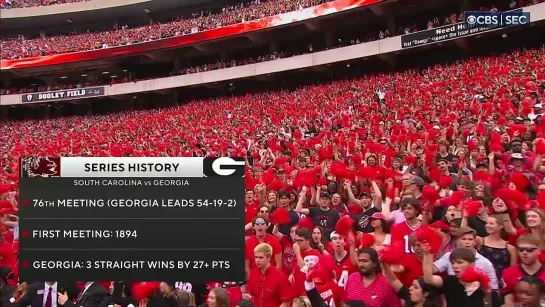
{"points": [[244, 11], [420, 188], [16, 4], [241, 12], [358, 38]]}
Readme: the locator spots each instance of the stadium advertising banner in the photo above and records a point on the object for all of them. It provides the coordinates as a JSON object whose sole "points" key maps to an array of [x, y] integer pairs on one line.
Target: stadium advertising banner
{"points": [[121, 218], [183, 40], [63, 94], [440, 34], [471, 27]]}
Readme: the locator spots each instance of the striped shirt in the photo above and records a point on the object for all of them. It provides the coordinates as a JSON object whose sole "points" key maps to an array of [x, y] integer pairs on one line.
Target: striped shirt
{"points": [[378, 293]]}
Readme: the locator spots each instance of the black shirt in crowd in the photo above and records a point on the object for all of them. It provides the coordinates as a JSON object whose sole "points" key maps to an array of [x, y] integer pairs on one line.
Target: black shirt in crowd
{"points": [[362, 220], [456, 295], [326, 219]]}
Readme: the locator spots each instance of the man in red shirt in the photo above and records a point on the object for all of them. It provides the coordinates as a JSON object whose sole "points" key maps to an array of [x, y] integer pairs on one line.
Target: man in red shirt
{"points": [[410, 266], [368, 285], [260, 223], [528, 250], [401, 232], [345, 262], [267, 286], [251, 209], [304, 258]]}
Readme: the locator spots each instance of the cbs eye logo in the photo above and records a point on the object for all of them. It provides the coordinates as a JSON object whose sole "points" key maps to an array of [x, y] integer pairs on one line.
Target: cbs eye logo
{"points": [[224, 166], [471, 20]]}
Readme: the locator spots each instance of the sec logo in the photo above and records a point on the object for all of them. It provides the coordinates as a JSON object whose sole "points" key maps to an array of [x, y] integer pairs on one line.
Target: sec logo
{"points": [[224, 166]]}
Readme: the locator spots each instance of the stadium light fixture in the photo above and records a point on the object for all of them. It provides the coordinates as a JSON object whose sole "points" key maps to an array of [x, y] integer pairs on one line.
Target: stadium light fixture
{"points": [[69, 20], [114, 76], [84, 75], [147, 11], [64, 77], [105, 72]]}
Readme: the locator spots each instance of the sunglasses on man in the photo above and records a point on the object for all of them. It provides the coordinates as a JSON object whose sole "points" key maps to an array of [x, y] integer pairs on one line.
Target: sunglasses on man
{"points": [[527, 249]]}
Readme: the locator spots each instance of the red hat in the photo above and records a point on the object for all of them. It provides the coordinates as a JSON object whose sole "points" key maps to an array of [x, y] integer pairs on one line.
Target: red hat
{"points": [[378, 215]]}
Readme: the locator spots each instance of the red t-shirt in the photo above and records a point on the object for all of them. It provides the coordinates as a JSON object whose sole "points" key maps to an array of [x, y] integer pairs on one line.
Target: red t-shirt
{"points": [[250, 211], [298, 286], [331, 293], [512, 274], [252, 242], [342, 269], [400, 233], [269, 289], [7, 255], [287, 255], [413, 270]]}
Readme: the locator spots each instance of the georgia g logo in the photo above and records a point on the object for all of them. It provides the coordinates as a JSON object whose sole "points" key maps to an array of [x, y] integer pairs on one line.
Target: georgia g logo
{"points": [[224, 166]]}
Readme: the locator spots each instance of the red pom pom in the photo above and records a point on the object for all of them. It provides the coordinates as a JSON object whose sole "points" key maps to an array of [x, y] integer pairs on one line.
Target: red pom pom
{"points": [[456, 198], [304, 179], [441, 225], [471, 274], [251, 182], [143, 290], [520, 181], [539, 146], [471, 208], [410, 160], [445, 182], [367, 172], [426, 234], [431, 195], [513, 197], [322, 180], [280, 216], [275, 185], [306, 222], [481, 175], [5, 204], [344, 226], [338, 169], [367, 240], [268, 176], [434, 174], [392, 254]]}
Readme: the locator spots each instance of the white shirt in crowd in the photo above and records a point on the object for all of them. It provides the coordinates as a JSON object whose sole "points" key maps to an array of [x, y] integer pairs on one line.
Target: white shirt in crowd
{"points": [[443, 264]]}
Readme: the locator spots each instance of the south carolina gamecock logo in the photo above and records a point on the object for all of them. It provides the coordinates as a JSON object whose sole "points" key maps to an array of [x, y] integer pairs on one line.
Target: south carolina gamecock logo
{"points": [[41, 167]]}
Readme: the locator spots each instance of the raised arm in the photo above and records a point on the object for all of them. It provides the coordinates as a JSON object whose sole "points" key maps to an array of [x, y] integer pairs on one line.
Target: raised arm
{"points": [[427, 267], [302, 197]]}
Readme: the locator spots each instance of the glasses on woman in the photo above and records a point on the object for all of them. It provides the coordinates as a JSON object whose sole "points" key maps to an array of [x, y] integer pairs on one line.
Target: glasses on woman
{"points": [[264, 211]]}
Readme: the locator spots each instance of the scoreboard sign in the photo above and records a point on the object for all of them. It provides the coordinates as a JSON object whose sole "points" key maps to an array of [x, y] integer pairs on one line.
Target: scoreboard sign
{"points": [[132, 219]]}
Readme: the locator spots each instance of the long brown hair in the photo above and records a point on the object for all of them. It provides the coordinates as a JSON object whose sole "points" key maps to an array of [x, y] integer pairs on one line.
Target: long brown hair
{"points": [[222, 297], [541, 225]]}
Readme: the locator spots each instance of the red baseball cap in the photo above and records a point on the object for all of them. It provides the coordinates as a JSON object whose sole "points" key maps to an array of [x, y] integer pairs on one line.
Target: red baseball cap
{"points": [[378, 215]]}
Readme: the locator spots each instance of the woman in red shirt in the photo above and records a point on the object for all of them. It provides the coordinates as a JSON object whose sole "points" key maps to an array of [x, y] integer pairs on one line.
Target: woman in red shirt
{"points": [[287, 248]]}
